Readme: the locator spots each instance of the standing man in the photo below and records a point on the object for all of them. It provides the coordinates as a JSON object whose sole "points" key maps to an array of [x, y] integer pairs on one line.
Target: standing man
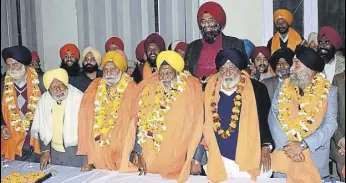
{"points": [[56, 121], [114, 44], [200, 54], [281, 62], [90, 63], [286, 36], [238, 143], [303, 119], [330, 41], [179, 47], [260, 58], [35, 63], [21, 90], [168, 112], [338, 143]]}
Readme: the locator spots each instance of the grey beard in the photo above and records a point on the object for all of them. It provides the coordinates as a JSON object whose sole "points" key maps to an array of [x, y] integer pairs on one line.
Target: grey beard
{"points": [[283, 73], [302, 80]]}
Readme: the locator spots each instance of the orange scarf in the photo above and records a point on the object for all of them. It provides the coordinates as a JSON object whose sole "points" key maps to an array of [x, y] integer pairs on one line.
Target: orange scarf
{"points": [[147, 73], [303, 172], [14, 145], [248, 152], [294, 39]]}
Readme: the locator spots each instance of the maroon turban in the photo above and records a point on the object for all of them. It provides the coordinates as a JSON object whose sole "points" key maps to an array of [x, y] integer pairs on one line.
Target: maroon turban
{"points": [[332, 35], [157, 39], [262, 49], [140, 51], [215, 10], [114, 40], [181, 45]]}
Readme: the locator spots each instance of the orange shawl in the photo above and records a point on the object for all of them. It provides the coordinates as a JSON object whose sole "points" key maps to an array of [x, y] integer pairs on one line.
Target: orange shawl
{"points": [[248, 152], [294, 39], [108, 157], [304, 172], [146, 71], [13, 146], [184, 131]]}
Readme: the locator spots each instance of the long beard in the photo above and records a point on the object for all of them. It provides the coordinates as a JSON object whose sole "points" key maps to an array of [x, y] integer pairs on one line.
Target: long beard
{"points": [[283, 73], [300, 79], [72, 70], [210, 36], [88, 68], [17, 75], [230, 83], [328, 55]]}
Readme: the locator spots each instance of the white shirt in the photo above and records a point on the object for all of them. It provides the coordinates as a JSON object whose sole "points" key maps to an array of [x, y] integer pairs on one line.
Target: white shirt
{"points": [[329, 70]]}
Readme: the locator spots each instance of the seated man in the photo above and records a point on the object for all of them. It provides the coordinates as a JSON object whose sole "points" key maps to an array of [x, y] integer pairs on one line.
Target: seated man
{"points": [[56, 121], [303, 119], [236, 126], [169, 114], [104, 117]]}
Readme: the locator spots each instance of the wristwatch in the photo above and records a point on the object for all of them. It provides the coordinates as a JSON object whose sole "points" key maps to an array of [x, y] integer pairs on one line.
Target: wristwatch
{"points": [[195, 162], [303, 145]]}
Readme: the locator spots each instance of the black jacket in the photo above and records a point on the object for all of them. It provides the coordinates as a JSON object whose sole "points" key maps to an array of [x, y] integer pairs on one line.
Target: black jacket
{"points": [[194, 49]]}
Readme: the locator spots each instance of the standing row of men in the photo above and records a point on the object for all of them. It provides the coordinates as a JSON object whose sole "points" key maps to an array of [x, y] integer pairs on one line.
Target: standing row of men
{"points": [[110, 122]]}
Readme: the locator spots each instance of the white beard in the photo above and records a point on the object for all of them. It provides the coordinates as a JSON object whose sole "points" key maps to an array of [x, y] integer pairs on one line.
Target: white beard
{"points": [[17, 75], [229, 84], [112, 80]]}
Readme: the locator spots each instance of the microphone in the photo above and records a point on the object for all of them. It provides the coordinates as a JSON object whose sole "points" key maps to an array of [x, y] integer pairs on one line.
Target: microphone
{"points": [[46, 177]]}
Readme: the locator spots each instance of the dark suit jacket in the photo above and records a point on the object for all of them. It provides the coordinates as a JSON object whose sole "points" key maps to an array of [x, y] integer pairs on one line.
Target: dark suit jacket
{"points": [[194, 49], [272, 84]]}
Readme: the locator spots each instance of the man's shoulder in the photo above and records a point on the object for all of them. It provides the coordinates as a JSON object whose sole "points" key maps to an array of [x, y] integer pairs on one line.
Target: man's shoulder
{"points": [[257, 85], [196, 42], [232, 39], [340, 77]]}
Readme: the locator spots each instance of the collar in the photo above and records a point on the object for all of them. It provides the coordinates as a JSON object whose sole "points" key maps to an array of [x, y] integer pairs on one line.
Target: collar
{"points": [[20, 84], [228, 93], [284, 39]]}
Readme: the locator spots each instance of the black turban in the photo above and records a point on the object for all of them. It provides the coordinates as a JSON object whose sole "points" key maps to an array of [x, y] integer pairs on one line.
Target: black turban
{"points": [[310, 58], [237, 57], [285, 53], [20, 53]]}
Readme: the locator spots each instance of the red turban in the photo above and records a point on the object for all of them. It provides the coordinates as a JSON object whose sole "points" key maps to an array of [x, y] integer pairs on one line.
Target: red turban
{"points": [[214, 10], [35, 56], [114, 40], [157, 39], [262, 49], [69, 47], [332, 35], [181, 45], [140, 51]]}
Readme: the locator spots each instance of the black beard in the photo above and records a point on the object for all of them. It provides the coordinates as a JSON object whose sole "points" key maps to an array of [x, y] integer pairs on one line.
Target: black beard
{"points": [[152, 62], [210, 36], [327, 56], [91, 69], [72, 70], [282, 31]]}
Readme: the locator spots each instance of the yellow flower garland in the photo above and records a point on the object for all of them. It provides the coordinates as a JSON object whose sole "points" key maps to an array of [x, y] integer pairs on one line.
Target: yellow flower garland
{"points": [[107, 107], [225, 134], [21, 125], [153, 126], [310, 104]]}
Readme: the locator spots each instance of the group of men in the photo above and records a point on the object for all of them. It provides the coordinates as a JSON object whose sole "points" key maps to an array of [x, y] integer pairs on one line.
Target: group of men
{"points": [[218, 106]]}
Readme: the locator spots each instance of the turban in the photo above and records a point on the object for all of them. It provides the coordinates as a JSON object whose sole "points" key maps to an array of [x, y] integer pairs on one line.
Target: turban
{"points": [[172, 58], [173, 45], [237, 57], [114, 40], [287, 54], [59, 74], [154, 38], [310, 58], [69, 47], [313, 36], [140, 51], [333, 36], [95, 53], [214, 10], [117, 58], [19, 53], [249, 46], [182, 46], [262, 49], [35, 56], [285, 14]]}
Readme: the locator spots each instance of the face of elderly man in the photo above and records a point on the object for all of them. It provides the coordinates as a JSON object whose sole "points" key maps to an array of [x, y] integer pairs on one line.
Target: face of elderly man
{"points": [[230, 76], [15, 69], [167, 75], [58, 90], [111, 74]]}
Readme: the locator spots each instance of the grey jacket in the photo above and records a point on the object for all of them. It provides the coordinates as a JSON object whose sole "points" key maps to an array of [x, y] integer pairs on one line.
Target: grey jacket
{"points": [[339, 81], [272, 85], [318, 142]]}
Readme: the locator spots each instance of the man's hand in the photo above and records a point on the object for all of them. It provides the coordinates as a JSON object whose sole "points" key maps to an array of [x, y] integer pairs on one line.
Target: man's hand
{"points": [[265, 159], [293, 149], [342, 152], [45, 159], [86, 167], [142, 165], [299, 158], [342, 143], [196, 168], [5, 132]]}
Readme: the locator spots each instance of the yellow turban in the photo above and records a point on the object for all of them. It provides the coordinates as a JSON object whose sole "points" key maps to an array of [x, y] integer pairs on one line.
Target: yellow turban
{"points": [[172, 58], [95, 53], [59, 74], [118, 59], [285, 14]]}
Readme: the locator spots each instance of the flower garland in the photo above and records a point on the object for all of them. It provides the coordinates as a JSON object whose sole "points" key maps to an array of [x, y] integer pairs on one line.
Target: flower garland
{"points": [[309, 105], [107, 106], [21, 125], [153, 125], [225, 134]]}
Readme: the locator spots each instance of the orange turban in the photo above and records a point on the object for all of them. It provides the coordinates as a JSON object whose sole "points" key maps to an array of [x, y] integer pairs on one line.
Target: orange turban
{"points": [[69, 47], [285, 14]]}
